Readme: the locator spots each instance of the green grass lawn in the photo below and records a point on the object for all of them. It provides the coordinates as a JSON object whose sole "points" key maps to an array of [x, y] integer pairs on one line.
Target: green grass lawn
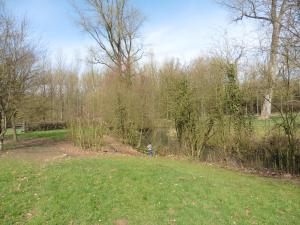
{"points": [[140, 191], [50, 134], [263, 127]]}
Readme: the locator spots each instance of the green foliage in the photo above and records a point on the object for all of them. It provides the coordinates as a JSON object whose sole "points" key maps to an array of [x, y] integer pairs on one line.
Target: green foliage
{"points": [[237, 121], [201, 110], [225, 126], [181, 106], [233, 98], [125, 127]]}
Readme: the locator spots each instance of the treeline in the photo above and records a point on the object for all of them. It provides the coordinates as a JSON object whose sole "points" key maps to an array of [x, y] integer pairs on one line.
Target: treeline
{"points": [[53, 97], [207, 109], [200, 110], [19, 59]]}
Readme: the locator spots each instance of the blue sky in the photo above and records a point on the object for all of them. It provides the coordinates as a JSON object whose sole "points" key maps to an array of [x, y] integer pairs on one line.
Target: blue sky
{"points": [[182, 29]]}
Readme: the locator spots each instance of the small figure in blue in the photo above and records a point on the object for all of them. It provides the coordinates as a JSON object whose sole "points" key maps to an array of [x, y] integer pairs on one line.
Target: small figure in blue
{"points": [[149, 147]]}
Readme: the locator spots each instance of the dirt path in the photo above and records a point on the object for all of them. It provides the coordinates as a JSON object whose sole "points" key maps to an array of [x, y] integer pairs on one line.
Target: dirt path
{"points": [[45, 150]]}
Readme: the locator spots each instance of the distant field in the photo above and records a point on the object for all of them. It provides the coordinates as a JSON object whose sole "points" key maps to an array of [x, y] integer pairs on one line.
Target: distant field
{"points": [[50, 134], [262, 127], [127, 190]]}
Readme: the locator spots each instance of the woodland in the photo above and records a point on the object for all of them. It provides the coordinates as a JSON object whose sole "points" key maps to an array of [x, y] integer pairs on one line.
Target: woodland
{"points": [[233, 106]]}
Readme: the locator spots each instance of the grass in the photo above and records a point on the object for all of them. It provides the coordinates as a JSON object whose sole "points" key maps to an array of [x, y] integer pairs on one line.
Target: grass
{"points": [[263, 127], [52, 135], [55, 135], [140, 191]]}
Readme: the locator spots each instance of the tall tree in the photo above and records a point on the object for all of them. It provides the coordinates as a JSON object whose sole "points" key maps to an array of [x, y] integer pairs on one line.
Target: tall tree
{"points": [[271, 12], [114, 25], [17, 66]]}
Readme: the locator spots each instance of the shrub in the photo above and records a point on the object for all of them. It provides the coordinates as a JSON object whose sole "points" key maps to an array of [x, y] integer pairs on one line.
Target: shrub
{"points": [[86, 133], [46, 126]]}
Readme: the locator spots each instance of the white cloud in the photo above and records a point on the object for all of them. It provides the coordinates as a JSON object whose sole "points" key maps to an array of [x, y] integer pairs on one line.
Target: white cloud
{"points": [[187, 39], [192, 37]]}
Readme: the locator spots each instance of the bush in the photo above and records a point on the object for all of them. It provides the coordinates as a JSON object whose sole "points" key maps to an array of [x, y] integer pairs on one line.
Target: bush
{"points": [[46, 126], [87, 134]]}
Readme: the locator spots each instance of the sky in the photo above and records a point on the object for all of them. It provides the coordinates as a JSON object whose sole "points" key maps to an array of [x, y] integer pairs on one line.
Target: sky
{"points": [[182, 29]]}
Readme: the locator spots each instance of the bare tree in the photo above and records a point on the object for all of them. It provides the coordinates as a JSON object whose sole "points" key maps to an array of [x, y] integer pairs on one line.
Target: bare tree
{"points": [[17, 66], [272, 13], [289, 69], [292, 20], [114, 26]]}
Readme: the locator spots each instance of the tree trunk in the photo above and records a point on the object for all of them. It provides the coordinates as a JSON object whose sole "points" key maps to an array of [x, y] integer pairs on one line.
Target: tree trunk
{"points": [[1, 139], [13, 124], [267, 105], [2, 129], [62, 110], [1, 143], [24, 127], [272, 64]]}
